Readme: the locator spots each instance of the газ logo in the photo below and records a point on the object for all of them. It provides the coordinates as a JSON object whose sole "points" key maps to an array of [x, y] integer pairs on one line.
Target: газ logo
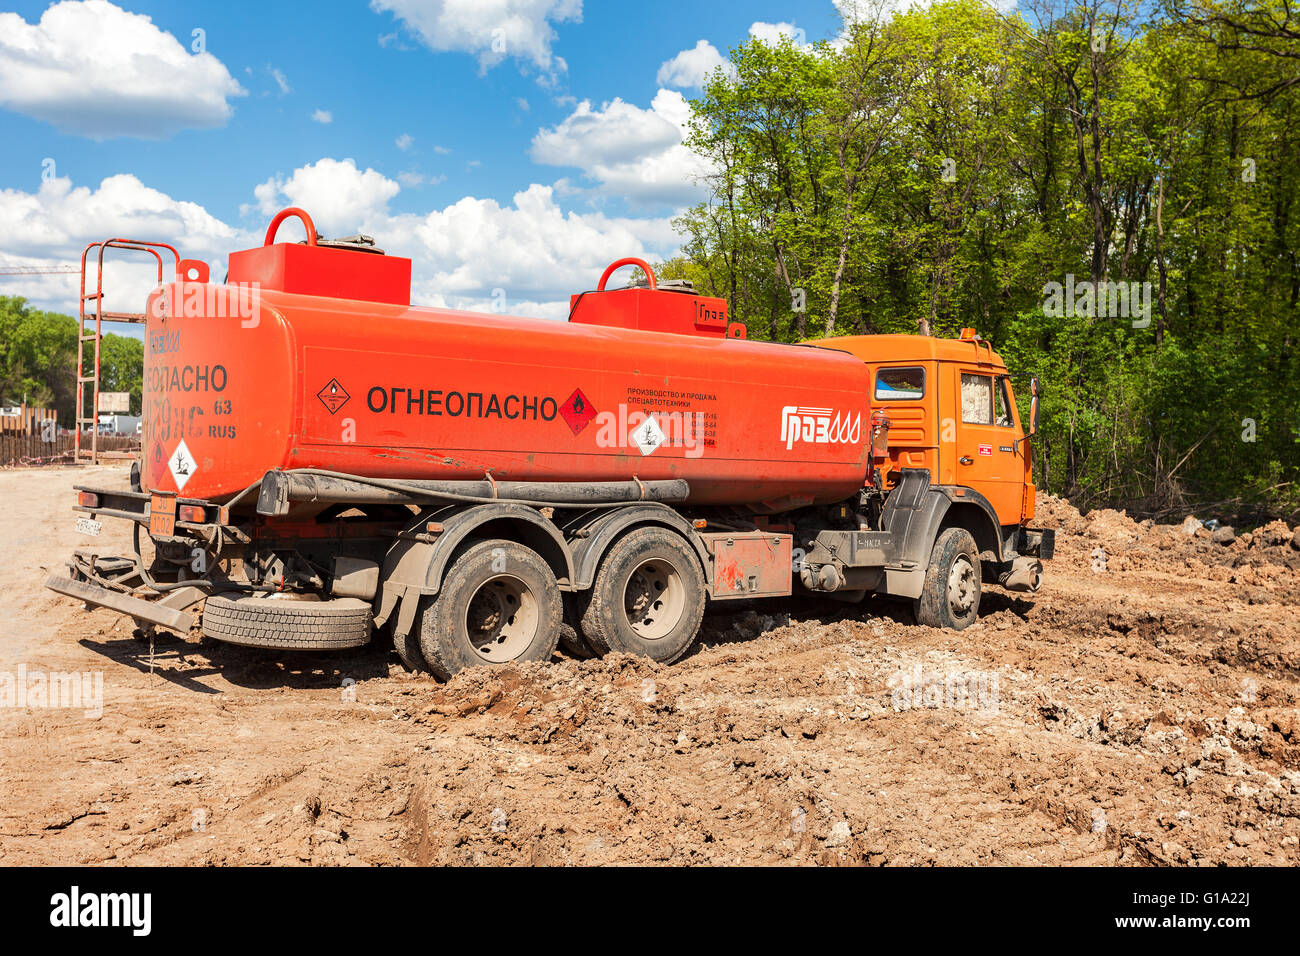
{"points": [[819, 426]]}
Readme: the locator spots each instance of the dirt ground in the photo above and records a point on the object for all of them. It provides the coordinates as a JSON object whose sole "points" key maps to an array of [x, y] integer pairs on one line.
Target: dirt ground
{"points": [[1141, 709]]}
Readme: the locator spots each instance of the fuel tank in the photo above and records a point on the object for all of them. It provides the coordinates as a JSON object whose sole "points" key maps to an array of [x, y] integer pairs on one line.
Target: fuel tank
{"points": [[264, 371]]}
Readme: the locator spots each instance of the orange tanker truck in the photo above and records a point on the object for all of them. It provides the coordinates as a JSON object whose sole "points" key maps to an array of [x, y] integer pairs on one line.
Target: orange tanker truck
{"points": [[323, 462]]}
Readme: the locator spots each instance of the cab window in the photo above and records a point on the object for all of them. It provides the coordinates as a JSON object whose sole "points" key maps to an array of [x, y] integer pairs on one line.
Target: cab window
{"points": [[900, 384], [976, 399]]}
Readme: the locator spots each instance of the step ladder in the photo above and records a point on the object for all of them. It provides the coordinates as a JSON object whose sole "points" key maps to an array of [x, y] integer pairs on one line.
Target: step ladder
{"points": [[91, 316]]}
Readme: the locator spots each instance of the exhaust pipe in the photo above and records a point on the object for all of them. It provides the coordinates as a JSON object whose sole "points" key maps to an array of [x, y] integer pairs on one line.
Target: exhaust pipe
{"points": [[1026, 574]]}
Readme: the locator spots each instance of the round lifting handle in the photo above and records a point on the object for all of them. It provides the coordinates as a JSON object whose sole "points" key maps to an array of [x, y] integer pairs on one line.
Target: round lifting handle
{"points": [[620, 263], [284, 214]]}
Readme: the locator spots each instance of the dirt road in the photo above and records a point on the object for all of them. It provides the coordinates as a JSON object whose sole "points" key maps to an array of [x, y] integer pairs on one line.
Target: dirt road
{"points": [[1141, 709]]}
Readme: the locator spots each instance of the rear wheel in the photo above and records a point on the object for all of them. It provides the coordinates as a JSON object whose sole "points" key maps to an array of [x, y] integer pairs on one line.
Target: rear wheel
{"points": [[571, 638], [648, 597], [408, 650], [952, 582], [498, 603]]}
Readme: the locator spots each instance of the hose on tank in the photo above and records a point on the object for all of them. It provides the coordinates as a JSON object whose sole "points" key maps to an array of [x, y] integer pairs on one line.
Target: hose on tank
{"points": [[614, 491]]}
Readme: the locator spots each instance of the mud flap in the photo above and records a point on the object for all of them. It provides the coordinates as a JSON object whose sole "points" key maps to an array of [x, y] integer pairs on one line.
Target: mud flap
{"points": [[405, 601], [388, 599], [406, 614]]}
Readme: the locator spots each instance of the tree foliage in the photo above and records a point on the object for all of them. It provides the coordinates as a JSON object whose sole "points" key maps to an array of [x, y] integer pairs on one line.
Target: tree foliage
{"points": [[943, 167], [38, 360]]}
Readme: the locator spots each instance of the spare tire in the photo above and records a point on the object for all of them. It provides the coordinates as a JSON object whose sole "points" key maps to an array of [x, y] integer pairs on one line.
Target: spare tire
{"points": [[288, 622]]}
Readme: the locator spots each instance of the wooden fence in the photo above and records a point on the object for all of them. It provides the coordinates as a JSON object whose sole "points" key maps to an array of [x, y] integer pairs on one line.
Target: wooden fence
{"points": [[26, 450], [22, 420]]}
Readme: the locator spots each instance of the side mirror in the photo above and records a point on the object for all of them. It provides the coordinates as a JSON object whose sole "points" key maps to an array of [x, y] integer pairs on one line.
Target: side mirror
{"points": [[1034, 410]]}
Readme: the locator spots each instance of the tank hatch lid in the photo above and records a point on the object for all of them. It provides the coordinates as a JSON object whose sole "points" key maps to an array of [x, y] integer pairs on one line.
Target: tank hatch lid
{"points": [[350, 268], [671, 305]]}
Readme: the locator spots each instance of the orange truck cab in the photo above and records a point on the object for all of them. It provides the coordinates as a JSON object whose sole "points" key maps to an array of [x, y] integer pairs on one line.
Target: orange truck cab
{"points": [[948, 451], [951, 411]]}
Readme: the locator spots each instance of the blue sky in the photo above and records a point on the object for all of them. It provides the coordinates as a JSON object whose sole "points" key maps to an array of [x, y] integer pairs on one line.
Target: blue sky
{"points": [[522, 170]]}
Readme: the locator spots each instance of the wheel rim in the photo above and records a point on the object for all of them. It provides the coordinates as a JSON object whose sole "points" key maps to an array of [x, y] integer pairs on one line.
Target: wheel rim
{"points": [[654, 599], [501, 619], [961, 587]]}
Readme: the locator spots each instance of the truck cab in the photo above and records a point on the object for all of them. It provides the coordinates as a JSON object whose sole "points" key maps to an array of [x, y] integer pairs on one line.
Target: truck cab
{"points": [[951, 411], [949, 453]]}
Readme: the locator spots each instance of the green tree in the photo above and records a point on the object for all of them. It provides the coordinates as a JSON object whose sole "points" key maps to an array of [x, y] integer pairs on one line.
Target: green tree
{"points": [[38, 360]]}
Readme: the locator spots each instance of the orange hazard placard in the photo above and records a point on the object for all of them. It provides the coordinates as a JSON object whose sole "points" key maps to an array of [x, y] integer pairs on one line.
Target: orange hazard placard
{"points": [[162, 516]]}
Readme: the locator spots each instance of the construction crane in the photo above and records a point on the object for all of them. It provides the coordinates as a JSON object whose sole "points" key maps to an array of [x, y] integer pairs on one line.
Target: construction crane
{"points": [[7, 270]]}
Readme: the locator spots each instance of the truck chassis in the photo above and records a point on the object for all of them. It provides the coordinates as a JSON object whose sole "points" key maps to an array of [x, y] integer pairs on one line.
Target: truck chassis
{"points": [[464, 573]]}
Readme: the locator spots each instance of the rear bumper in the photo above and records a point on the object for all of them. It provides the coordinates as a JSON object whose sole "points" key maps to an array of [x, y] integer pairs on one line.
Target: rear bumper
{"points": [[137, 506], [151, 612]]}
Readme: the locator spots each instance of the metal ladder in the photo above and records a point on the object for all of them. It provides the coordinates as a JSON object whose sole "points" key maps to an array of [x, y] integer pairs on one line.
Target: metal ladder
{"points": [[87, 333]]}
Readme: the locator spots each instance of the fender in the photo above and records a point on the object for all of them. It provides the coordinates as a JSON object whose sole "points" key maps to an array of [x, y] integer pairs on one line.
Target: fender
{"points": [[414, 566], [592, 532], [914, 514], [987, 531]]}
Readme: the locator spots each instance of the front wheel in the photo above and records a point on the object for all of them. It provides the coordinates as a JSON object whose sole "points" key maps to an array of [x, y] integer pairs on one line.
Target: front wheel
{"points": [[498, 603], [952, 582]]}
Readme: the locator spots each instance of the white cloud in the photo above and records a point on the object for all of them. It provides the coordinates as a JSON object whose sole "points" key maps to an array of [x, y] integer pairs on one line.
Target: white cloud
{"points": [[411, 178], [441, 150], [338, 196], [323, 116], [632, 152], [617, 132], [491, 29], [531, 249], [534, 250], [690, 68], [772, 33], [404, 141], [59, 218], [95, 70], [51, 226], [280, 80]]}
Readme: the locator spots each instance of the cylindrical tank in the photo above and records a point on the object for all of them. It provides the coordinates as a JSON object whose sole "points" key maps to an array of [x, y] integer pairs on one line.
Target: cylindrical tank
{"points": [[238, 384]]}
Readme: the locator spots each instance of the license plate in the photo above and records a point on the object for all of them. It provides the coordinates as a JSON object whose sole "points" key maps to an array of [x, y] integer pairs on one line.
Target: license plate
{"points": [[89, 526], [162, 516]]}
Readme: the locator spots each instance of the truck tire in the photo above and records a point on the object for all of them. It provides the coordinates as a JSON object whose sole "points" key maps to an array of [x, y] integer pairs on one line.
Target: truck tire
{"points": [[408, 651], [287, 622], [498, 603], [571, 638], [648, 597], [952, 582]]}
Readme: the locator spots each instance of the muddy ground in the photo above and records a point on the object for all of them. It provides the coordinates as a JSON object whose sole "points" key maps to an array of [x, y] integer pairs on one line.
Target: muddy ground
{"points": [[1141, 709]]}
